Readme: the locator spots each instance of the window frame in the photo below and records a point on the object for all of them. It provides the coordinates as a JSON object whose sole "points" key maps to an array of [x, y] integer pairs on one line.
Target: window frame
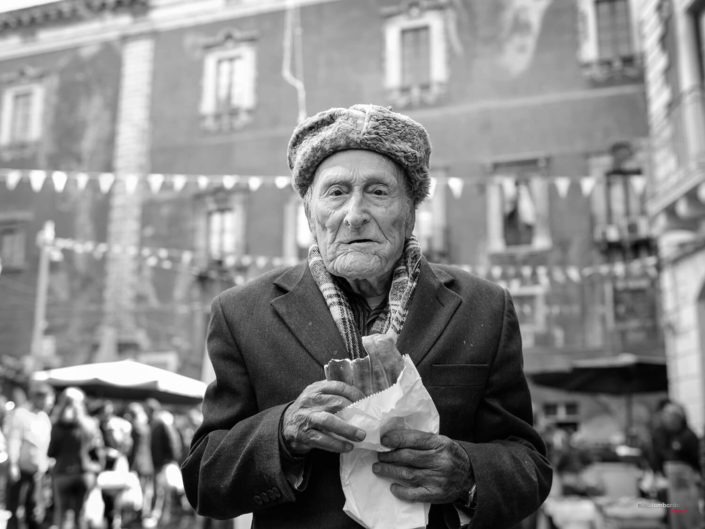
{"points": [[394, 27], [240, 113], [19, 227], [595, 66], [530, 330], [539, 188], [36, 113]]}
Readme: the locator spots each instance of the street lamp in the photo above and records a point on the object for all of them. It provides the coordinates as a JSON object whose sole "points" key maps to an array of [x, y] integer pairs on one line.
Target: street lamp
{"points": [[45, 239]]}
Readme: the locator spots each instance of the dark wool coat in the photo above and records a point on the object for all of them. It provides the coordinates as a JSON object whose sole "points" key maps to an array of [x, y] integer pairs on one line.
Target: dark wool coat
{"points": [[269, 339]]}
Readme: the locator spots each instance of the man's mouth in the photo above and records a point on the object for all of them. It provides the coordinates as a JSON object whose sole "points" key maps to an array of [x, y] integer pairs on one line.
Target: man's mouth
{"points": [[359, 241]]}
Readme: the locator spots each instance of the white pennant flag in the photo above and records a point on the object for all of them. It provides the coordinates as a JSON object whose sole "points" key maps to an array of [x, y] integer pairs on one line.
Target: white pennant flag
{"points": [[186, 257], [281, 181], [456, 186], [203, 182], [131, 182], [13, 178], [81, 181], [59, 178], [36, 180], [261, 261], [638, 184], [496, 271], [254, 182], [229, 181], [562, 184], [587, 184], [105, 182], [179, 182], [155, 181]]}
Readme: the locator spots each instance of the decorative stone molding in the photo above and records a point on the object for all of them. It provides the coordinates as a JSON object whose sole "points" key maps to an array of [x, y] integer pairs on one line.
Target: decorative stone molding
{"points": [[63, 11]]}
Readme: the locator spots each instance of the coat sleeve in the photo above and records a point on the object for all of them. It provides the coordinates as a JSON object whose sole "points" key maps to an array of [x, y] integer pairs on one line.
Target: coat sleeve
{"points": [[233, 466], [508, 457]]}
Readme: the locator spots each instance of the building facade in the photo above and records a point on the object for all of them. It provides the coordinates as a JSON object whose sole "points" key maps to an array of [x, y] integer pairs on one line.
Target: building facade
{"points": [[676, 201], [537, 116]]}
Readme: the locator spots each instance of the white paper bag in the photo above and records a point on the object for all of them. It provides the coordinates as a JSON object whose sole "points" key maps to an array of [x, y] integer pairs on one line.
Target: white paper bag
{"points": [[368, 499]]}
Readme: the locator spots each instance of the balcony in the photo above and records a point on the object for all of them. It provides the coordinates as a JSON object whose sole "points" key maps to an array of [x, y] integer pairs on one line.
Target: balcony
{"points": [[627, 232]]}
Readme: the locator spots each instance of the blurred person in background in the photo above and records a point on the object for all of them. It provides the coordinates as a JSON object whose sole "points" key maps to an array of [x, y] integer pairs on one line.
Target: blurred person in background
{"points": [[676, 454], [28, 437], [77, 447], [166, 449], [139, 457], [117, 440], [4, 459]]}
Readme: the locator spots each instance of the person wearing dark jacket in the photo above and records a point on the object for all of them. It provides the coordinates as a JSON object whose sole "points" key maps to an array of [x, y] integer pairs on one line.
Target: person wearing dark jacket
{"points": [[77, 448], [270, 441]]}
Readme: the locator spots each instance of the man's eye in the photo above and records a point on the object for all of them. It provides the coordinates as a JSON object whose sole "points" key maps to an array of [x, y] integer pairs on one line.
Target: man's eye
{"points": [[379, 192]]}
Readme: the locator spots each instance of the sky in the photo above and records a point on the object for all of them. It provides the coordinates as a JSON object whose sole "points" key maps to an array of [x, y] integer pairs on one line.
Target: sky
{"points": [[9, 5]]}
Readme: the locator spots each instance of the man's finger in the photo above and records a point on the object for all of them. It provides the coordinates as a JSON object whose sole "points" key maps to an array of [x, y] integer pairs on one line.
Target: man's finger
{"points": [[334, 387], [413, 494], [409, 477], [330, 424], [410, 439], [411, 458]]}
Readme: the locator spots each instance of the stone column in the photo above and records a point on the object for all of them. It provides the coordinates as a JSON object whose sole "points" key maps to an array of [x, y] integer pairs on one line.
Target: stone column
{"points": [[131, 157]]}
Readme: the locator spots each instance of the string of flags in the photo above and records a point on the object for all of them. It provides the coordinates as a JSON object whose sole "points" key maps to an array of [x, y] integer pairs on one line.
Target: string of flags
{"points": [[37, 179], [173, 259]]}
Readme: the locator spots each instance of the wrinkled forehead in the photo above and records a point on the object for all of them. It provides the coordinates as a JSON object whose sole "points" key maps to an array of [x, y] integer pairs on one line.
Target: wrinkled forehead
{"points": [[360, 163]]}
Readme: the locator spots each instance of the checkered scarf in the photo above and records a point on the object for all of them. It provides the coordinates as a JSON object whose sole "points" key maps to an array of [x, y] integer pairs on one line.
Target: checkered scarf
{"points": [[404, 280]]}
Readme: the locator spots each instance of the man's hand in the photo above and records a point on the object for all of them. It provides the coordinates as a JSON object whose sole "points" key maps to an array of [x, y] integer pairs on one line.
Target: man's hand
{"points": [[425, 467], [309, 422]]}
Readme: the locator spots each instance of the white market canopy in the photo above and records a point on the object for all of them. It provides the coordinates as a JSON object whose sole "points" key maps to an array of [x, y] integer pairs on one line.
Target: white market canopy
{"points": [[126, 379]]}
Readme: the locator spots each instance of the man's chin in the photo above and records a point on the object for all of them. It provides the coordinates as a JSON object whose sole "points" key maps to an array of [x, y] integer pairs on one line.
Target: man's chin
{"points": [[357, 267]]}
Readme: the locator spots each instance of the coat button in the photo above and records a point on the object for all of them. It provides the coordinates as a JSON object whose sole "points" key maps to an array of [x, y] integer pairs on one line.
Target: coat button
{"points": [[276, 494], [257, 499]]}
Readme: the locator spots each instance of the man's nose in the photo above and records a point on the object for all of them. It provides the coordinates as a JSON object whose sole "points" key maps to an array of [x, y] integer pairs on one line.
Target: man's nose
{"points": [[357, 215]]}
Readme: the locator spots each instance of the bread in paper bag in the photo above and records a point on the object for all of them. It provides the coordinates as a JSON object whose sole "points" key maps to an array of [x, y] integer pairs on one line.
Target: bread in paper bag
{"points": [[375, 372], [405, 403]]}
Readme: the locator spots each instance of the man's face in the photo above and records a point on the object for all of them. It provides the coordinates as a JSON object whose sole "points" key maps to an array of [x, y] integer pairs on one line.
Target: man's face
{"points": [[360, 214]]}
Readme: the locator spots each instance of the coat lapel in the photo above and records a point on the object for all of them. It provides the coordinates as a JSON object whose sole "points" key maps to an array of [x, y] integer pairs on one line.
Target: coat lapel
{"points": [[432, 306], [305, 312]]}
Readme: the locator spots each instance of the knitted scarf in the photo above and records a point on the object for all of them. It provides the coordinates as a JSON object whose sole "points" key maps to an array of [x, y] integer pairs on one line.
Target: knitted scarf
{"points": [[404, 280]]}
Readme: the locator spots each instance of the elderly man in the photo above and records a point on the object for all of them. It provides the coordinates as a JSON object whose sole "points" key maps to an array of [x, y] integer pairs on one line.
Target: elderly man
{"points": [[270, 441]]}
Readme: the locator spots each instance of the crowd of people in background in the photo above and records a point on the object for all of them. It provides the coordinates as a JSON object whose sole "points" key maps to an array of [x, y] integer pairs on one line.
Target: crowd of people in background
{"points": [[669, 457], [69, 460]]}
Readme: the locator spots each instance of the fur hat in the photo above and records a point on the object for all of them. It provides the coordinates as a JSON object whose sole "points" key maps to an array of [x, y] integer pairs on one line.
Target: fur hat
{"points": [[367, 127]]}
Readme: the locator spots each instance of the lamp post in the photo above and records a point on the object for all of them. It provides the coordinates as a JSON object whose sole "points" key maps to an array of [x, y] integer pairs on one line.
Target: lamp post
{"points": [[45, 238]]}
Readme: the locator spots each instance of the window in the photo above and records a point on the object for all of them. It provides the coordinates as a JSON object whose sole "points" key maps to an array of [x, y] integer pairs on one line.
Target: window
{"points": [[416, 56], [221, 234], [225, 226], [228, 98], [517, 207], [296, 235], [530, 306], [562, 414], [609, 38], [614, 33], [21, 114], [13, 244], [618, 202]]}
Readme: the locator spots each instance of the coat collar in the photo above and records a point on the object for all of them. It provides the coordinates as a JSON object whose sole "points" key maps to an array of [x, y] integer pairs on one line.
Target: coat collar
{"points": [[305, 312]]}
